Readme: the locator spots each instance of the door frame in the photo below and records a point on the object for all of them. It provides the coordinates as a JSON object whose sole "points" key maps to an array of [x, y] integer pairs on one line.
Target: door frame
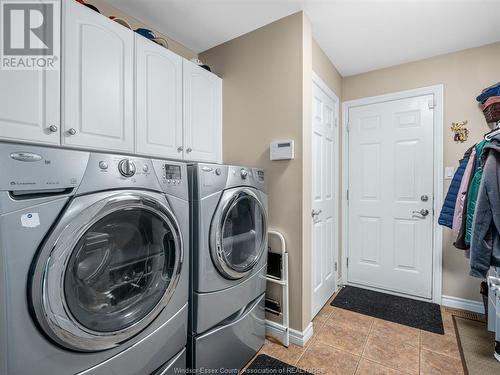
{"points": [[437, 240], [316, 79]]}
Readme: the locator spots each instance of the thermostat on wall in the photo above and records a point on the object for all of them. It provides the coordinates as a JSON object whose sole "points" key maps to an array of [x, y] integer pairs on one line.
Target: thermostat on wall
{"points": [[283, 150]]}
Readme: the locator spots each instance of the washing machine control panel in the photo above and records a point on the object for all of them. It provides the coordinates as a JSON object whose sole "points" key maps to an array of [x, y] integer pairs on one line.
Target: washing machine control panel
{"points": [[126, 167]]}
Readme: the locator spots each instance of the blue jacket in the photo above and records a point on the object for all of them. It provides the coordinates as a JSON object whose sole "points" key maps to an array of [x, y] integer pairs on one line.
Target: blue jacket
{"points": [[446, 215]]}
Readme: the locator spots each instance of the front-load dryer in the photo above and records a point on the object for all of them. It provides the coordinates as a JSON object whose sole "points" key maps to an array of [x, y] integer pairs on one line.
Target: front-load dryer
{"points": [[94, 253], [229, 260]]}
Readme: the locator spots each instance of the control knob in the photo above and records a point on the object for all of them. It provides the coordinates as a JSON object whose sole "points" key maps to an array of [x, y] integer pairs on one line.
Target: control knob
{"points": [[126, 168], [244, 173]]}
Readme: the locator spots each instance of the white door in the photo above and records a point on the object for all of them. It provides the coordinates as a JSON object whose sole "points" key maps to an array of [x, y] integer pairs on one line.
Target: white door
{"points": [[98, 100], [29, 106], [202, 114], [325, 121], [158, 100], [390, 182]]}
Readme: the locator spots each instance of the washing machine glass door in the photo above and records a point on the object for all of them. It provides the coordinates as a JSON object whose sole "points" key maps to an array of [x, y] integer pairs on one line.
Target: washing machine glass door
{"points": [[239, 233], [108, 273]]}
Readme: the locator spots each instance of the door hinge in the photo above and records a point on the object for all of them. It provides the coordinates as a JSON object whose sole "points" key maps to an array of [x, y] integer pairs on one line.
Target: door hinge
{"points": [[347, 262], [348, 127], [431, 104], [336, 267], [347, 195]]}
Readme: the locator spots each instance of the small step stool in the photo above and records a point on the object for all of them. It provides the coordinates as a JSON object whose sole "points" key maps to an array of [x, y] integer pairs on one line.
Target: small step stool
{"points": [[280, 278]]}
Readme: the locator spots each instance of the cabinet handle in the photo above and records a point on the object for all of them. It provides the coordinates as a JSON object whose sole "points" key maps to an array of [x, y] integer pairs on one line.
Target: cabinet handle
{"points": [[189, 149], [53, 128], [71, 131], [180, 148]]}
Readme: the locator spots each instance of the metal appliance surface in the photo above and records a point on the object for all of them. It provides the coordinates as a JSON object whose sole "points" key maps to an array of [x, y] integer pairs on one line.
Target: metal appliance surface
{"points": [[94, 255], [229, 259]]}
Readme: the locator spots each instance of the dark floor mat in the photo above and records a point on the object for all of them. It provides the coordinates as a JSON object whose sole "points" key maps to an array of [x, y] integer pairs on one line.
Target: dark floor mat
{"points": [[406, 311], [264, 364]]}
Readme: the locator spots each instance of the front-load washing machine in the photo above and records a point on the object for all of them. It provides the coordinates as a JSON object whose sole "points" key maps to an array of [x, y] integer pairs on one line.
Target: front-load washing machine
{"points": [[93, 263], [229, 259]]}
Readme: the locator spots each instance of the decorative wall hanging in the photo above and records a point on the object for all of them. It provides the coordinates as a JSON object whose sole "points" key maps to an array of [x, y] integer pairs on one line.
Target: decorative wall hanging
{"points": [[461, 132]]}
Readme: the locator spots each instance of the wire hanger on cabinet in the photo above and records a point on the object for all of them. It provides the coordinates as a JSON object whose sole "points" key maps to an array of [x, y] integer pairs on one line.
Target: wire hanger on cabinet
{"points": [[488, 136]]}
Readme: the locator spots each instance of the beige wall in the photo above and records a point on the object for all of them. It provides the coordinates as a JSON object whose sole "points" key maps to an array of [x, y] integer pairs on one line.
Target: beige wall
{"points": [[324, 68], [109, 10], [464, 74], [262, 75]]}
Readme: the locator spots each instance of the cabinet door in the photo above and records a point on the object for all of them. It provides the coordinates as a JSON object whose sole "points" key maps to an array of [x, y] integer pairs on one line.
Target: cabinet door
{"points": [[29, 106], [158, 100], [202, 114], [98, 82]]}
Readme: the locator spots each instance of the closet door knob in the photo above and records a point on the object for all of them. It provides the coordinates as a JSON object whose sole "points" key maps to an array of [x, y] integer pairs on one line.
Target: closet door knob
{"points": [[180, 149], [71, 131], [422, 212], [53, 128], [189, 149]]}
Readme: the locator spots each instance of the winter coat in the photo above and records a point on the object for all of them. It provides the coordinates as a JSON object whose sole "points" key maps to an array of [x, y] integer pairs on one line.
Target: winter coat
{"points": [[485, 240], [462, 191], [473, 191], [448, 210]]}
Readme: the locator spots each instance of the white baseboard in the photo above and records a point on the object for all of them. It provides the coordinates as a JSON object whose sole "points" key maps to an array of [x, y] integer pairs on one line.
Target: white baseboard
{"points": [[463, 304], [277, 331], [301, 338]]}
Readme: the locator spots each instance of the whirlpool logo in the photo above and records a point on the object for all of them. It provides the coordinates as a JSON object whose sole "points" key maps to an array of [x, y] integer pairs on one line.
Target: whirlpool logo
{"points": [[30, 37]]}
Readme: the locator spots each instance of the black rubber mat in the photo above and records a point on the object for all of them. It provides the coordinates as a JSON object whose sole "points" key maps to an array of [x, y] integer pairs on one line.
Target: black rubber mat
{"points": [[406, 311], [264, 364]]}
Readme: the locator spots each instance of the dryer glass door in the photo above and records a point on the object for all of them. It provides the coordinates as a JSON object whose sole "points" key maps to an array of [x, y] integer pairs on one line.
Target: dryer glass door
{"points": [[241, 233], [108, 272]]}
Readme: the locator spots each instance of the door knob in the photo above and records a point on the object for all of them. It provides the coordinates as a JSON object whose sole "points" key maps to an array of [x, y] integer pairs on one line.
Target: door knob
{"points": [[71, 131], [316, 213], [189, 149], [494, 283], [180, 149], [424, 212], [53, 128]]}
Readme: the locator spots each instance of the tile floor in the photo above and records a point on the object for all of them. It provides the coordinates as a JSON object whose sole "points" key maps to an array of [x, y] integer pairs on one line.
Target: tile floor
{"points": [[347, 343]]}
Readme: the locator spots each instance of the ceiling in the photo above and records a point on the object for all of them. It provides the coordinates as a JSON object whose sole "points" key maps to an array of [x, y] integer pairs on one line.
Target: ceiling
{"points": [[357, 35]]}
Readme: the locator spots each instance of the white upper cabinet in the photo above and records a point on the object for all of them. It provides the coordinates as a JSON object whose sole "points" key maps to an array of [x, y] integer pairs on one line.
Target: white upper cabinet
{"points": [[98, 80], [202, 114], [29, 106], [158, 100]]}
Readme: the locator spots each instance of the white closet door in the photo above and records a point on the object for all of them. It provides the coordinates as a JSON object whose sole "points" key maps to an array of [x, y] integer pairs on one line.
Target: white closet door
{"points": [[390, 182], [324, 170], [98, 103], [29, 106], [202, 114], [158, 100]]}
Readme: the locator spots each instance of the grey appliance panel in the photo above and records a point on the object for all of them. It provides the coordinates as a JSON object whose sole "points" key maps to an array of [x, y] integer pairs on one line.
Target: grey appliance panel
{"points": [[18, 332], [175, 366], [208, 179], [209, 309], [103, 174], [206, 277], [177, 186], [35, 168], [232, 345], [145, 357]]}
